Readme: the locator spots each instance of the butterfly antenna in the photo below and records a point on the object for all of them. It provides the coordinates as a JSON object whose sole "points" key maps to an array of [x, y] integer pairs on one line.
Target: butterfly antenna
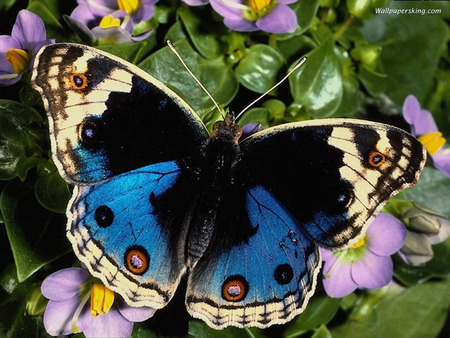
{"points": [[171, 46], [297, 66]]}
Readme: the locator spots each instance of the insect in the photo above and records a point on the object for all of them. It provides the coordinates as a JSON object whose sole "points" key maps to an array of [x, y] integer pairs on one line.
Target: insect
{"points": [[157, 197]]}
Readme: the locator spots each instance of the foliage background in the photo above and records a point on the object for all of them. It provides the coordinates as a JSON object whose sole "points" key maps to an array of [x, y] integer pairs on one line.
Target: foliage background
{"points": [[358, 67]]}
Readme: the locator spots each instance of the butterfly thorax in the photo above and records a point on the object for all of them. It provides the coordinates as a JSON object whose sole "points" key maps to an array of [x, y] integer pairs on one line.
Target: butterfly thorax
{"points": [[215, 174]]}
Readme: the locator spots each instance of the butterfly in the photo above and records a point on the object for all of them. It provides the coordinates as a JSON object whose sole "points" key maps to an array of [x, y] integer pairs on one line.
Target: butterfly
{"points": [[157, 197]]}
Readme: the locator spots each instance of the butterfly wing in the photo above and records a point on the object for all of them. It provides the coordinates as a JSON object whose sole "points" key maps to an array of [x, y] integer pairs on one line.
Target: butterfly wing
{"points": [[265, 279], [120, 232], [333, 175], [107, 116]]}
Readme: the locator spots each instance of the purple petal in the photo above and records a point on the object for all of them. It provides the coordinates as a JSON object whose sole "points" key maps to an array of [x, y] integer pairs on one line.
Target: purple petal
{"points": [[373, 271], [145, 11], [6, 43], [240, 25], [102, 8], [134, 314], [421, 120], [385, 235], [282, 19], [64, 284], [111, 324], [58, 316], [228, 12], [29, 29], [250, 129], [327, 255], [441, 160], [286, 1], [339, 282], [83, 14]]}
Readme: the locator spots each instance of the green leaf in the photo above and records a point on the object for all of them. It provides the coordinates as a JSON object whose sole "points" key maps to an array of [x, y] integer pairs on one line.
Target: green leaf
{"points": [[259, 68], [256, 115], [52, 192], [437, 267], [203, 32], [6, 4], [317, 85], [199, 329], [213, 74], [350, 95], [19, 139], [419, 311], [36, 235], [48, 11], [132, 52], [320, 311], [431, 191], [412, 45], [306, 12]]}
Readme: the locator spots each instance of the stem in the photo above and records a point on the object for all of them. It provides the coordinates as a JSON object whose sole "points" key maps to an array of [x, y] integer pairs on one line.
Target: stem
{"points": [[343, 27]]}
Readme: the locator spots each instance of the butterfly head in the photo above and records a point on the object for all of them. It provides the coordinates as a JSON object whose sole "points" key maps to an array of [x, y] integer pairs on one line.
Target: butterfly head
{"points": [[227, 130]]}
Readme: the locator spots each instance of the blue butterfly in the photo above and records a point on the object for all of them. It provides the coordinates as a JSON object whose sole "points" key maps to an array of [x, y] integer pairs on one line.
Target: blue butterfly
{"points": [[157, 198]]}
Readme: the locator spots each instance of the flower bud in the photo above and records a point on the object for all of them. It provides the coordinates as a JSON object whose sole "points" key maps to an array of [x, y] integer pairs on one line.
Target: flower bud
{"points": [[422, 219]]}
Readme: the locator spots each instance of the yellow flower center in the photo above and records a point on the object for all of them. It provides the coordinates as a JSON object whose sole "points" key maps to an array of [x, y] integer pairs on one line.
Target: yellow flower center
{"points": [[129, 6], [255, 9], [432, 141], [102, 299], [359, 243], [109, 21], [258, 5], [18, 58]]}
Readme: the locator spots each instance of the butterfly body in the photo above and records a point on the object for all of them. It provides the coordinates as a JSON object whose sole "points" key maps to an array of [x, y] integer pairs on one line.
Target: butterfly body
{"points": [[156, 197]]}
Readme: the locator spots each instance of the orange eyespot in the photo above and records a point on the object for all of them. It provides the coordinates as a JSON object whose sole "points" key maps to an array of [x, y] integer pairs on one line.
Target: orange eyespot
{"points": [[78, 81], [234, 289], [376, 159], [137, 260]]}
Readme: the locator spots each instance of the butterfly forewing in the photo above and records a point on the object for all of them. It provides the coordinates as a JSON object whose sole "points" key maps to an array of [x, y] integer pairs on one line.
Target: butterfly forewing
{"points": [[333, 175], [108, 116]]}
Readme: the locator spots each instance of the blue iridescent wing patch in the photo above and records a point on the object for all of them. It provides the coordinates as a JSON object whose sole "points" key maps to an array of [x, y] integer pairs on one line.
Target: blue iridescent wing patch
{"points": [[157, 198], [266, 279], [115, 230]]}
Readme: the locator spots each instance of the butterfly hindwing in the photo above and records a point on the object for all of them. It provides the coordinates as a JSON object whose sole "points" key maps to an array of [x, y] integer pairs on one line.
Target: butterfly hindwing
{"points": [[266, 279], [333, 175], [120, 235], [107, 116]]}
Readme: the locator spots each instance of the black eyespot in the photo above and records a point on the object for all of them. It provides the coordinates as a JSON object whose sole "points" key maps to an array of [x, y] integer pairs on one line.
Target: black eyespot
{"points": [[137, 259], [79, 81], [235, 288], [376, 159], [344, 199], [90, 132], [104, 216], [283, 274]]}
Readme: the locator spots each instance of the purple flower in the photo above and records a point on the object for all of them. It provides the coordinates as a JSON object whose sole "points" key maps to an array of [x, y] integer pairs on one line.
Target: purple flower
{"points": [[18, 50], [273, 16], [196, 2], [250, 128], [112, 21], [423, 126], [366, 264], [69, 291]]}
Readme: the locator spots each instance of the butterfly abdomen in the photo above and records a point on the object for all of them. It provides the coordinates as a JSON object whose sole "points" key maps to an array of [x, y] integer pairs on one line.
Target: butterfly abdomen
{"points": [[215, 174]]}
